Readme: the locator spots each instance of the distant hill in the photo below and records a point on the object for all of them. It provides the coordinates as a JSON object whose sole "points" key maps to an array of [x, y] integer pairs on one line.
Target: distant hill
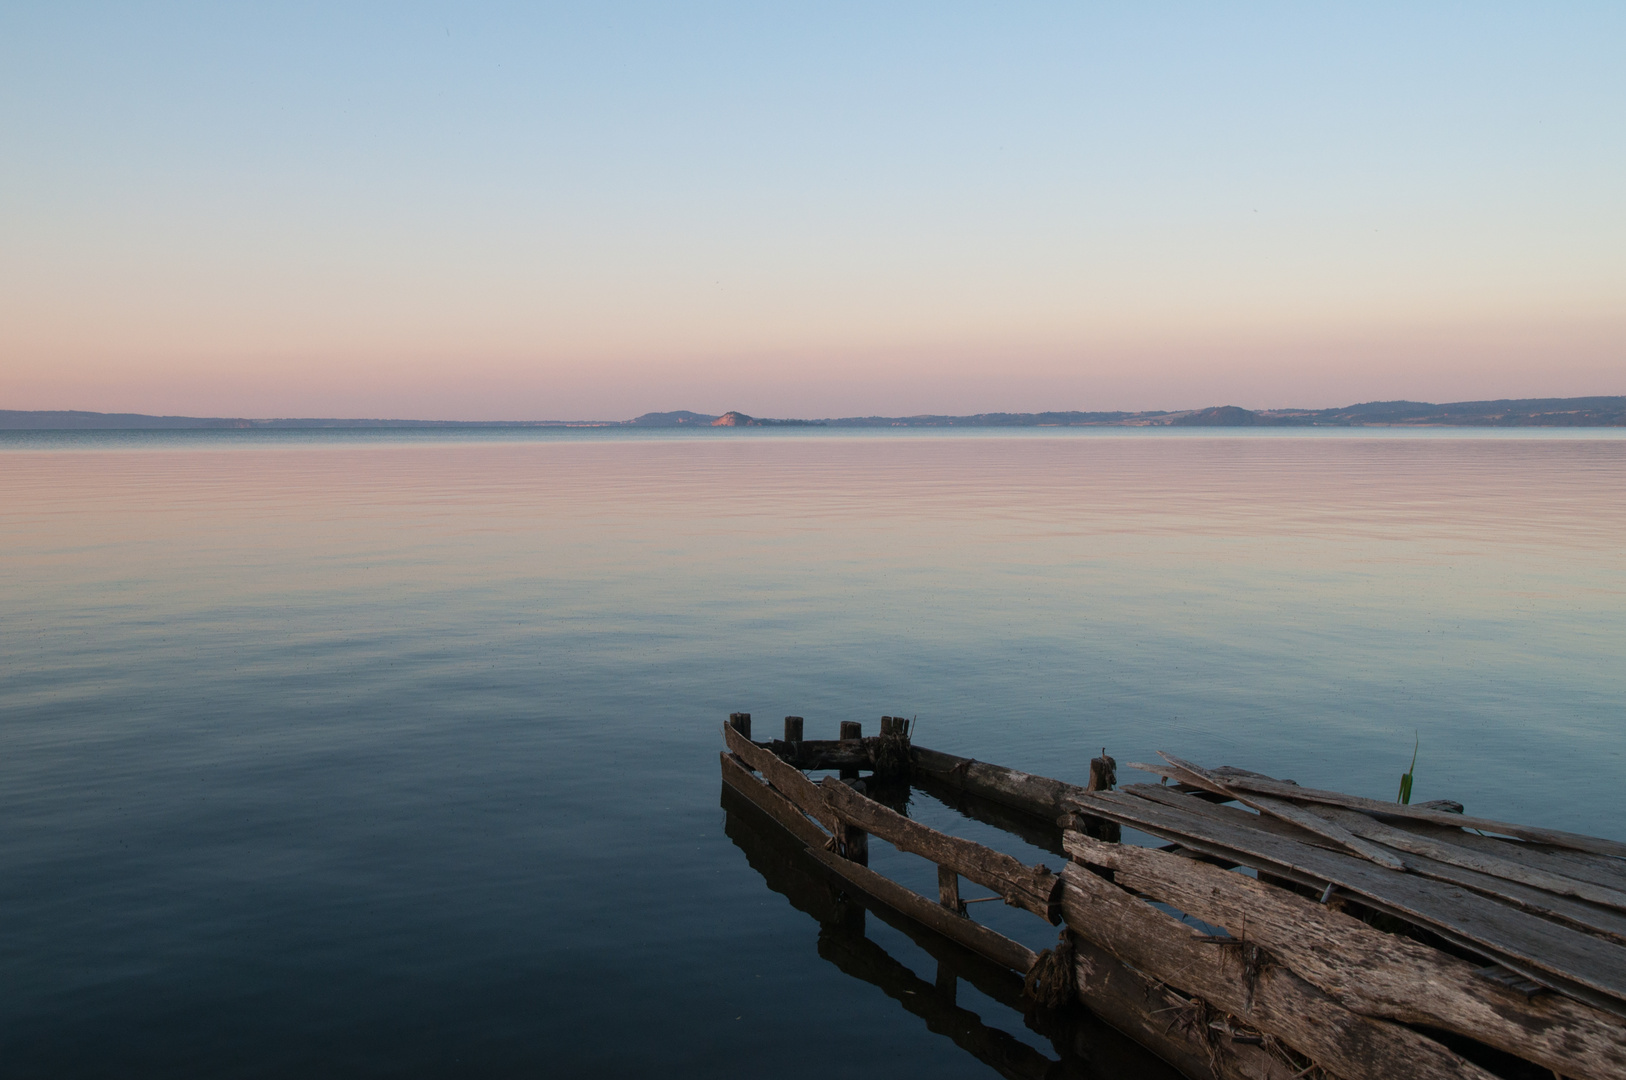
{"points": [[1518, 412]]}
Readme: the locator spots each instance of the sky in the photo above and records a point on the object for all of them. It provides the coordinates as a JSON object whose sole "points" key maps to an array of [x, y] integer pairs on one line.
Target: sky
{"points": [[482, 211]]}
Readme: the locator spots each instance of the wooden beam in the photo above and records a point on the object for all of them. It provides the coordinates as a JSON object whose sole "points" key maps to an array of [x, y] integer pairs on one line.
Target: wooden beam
{"points": [[1150, 1013], [787, 779], [1573, 841], [1590, 967], [1371, 972], [776, 806], [1038, 795], [1267, 996], [1455, 855], [986, 943], [1032, 887]]}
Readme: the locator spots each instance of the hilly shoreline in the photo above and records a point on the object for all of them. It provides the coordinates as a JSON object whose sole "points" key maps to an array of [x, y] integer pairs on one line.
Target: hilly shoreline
{"points": [[1507, 412]]}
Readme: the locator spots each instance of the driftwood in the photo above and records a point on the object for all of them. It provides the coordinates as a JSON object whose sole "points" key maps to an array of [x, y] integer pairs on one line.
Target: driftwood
{"points": [[1035, 888], [1589, 967], [1371, 972], [1245, 983]]}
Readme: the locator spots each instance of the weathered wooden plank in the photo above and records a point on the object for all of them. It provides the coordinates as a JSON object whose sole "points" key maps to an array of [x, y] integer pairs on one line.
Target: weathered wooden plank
{"points": [[987, 943], [1267, 996], [786, 778], [737, 776], [1576, 913], [1150, 1013], [1032, 887], [1370, 972], [1468, 859], [1598, 869], [1286, 811], [1579, 962], [1038, 795], [1574, 841]]}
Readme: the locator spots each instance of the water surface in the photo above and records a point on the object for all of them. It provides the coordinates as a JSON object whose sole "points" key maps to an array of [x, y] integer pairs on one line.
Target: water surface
{"points": [[383, 752]]}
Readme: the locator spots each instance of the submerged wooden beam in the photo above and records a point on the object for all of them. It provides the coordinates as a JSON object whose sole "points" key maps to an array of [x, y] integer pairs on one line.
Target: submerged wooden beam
{"points": [[1371, 972], [1038, 795], [978, 938], [1035, 888], [776, 806], [1243, 981], [787, 779]]}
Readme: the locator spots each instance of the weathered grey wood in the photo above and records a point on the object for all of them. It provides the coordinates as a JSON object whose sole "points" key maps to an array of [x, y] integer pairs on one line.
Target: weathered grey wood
{"points": [[1151, 1014], [1286, 811], [851, 729], [1575, 961], [987, 943], [1270, 997], [786, 778], [740, 722], [948, 890], [738, 777], [1456, 855], [1598, 869], [1038, 795], [1575, 913], [793, 729], [1370, 972], [1031, 887], [1573, 841]]}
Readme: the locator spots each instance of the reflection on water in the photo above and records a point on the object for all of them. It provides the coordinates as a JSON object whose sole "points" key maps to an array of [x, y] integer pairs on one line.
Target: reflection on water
{"points": [[1081, 1047], [396, 755]]}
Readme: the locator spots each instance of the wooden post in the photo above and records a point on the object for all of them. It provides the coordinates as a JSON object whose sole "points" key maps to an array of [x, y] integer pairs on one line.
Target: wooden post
{"points": [[948, 890], [740, 722], [851, 729], [793, 729], [1103, 777]]}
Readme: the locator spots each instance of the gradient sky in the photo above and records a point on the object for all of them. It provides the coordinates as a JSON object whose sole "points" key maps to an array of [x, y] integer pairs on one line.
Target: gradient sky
{"points": [[811, 209]]}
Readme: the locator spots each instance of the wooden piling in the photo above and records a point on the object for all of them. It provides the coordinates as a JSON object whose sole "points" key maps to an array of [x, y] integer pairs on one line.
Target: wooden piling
{"points": [[851, 731], [948, 890], [740, 722], [1103, 777], [793, 729]]}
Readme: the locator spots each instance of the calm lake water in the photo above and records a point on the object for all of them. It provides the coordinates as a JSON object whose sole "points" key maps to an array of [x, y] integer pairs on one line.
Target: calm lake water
{"points": [[396, 753]]}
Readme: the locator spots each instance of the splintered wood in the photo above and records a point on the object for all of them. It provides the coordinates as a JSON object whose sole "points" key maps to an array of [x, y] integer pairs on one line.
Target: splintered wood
{"points": [[1336, 935]]}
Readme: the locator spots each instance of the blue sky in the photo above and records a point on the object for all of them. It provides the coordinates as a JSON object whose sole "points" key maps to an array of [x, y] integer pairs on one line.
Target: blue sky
{"points": [[806, 209]]}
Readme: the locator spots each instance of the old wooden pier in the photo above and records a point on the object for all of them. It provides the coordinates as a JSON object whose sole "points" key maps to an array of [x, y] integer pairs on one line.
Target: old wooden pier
{"points": [[1278, 932]]}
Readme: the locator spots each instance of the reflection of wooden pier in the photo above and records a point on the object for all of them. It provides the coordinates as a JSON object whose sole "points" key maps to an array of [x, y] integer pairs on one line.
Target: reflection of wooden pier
{"points": [[1280, 932]]}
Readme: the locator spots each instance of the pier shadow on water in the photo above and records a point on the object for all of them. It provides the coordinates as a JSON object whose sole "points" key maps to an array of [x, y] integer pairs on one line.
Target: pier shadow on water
{"points": [[1081, 1046]]}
